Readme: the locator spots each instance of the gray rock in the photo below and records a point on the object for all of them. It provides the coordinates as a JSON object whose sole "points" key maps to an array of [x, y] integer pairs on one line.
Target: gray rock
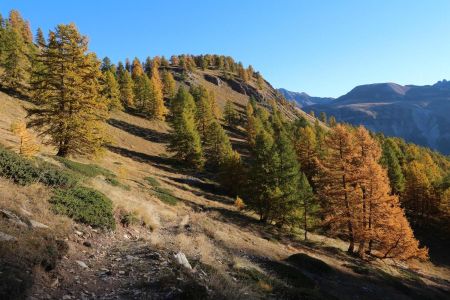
{"points": [[6, 237], [82, 264], [11, 217], [180, 257], [36, 224]]}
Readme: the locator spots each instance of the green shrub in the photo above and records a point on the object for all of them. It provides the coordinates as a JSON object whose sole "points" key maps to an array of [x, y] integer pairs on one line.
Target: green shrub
{"points": [[115, 182], [152, 181], [129, 218], [84, 205], [88, 170], [165, 195], [25, 171], [19, 169]]}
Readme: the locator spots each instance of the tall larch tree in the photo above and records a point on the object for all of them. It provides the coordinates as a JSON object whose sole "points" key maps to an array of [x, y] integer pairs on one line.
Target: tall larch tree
{"points": [[169, 85], [230, 114], [309, 206], [305, 144], [184, 139], [136, 69], [262, 185], [111, 91], [217, 148], [159, 109], [15, 59], [287, 175], [71, 111], [337, 183], [143, 95], [126, 85], [204, 113]]}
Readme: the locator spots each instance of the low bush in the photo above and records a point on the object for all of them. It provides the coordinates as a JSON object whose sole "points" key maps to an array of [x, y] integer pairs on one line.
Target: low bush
{"points": [[165, 195], [88, 170], [152, 181], [25, 171], [84, 205]]}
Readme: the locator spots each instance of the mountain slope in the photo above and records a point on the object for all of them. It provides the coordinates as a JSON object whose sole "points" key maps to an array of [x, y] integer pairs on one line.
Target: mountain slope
{"points": [[419, 114], [233, 255], [303, 99]]}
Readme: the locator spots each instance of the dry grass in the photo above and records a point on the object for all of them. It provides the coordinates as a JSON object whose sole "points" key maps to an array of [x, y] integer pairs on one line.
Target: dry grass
{"points": [[32, 202], [131, 202]]}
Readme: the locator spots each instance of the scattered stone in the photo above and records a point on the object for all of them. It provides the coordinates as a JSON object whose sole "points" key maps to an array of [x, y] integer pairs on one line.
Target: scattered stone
{"points": [[87, 244], [130, 257], [121, 272], [55, 283], [11, 217], [36, 224], [78, 233], [6, 237], [182, 260], [67, 297], [82, 264], [25, 212]]}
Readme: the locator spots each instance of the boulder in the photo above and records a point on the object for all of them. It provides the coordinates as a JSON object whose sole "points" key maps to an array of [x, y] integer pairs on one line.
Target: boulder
{"points": [[180, 257]]}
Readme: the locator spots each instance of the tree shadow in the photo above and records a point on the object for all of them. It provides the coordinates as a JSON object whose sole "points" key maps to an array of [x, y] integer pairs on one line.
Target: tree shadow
{"points": [[145, 133], [16, 94], [209, 191], [167, 164]]}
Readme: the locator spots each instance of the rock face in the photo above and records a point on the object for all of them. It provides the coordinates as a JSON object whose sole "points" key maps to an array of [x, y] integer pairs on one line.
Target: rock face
{"points": [[303, 99], [213, 79], [419, 114]]}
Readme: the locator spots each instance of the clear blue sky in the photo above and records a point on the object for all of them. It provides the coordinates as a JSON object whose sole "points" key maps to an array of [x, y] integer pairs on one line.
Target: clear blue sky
{"points": [[321, 47]]}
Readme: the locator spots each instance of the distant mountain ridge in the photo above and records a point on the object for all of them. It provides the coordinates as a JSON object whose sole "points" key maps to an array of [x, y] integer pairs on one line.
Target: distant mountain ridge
{"points": [[303, 99], [419, 114]]}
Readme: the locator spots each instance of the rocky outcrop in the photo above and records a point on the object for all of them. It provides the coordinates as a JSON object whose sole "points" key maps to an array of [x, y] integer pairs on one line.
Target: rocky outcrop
{"points": [[213, 79]]}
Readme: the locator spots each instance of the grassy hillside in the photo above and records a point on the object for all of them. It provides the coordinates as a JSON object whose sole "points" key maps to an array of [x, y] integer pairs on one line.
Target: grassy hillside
{"points": [[162, 209]]}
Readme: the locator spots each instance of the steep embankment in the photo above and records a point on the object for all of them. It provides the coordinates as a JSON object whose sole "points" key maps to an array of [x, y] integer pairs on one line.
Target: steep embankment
{"points": [[232, 256]]}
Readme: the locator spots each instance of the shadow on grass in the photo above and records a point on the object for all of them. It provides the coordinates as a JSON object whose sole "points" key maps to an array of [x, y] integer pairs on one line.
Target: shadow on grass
{"points": [[145, 133]]}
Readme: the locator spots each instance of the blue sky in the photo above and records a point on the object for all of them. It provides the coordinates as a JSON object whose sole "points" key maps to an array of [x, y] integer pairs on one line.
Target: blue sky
{"points": [[324, 48]]}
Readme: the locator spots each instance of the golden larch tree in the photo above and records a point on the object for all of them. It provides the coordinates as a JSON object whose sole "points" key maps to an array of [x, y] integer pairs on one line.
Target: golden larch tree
{"points": [[71, 112], [28, 146]]}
